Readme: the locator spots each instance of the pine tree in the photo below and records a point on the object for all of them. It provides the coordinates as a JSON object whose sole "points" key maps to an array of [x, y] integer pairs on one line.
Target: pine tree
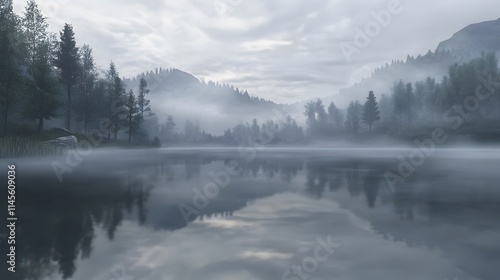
{"points": [[88, 80], [41, 100], [409, 99], [114, 95], [118, 106], [352, 117], [68, 63], [141, 100], [133, 118], [371, 113], [168, 128], [34, 28], [398, 95], [10, 60], [255, 130], [310, 113], [335, 117]]}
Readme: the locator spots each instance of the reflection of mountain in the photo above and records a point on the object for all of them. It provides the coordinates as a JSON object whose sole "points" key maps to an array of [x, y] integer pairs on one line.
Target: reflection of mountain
{"points": [[241, 190], [58, 222]]}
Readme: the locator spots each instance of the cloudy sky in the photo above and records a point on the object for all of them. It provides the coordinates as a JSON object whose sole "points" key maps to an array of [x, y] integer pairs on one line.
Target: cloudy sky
{"points": [[282, 50]]}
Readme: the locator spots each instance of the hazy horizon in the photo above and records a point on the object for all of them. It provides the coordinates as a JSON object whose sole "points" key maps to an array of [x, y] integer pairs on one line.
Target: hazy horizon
{"points": [[278, 51]]}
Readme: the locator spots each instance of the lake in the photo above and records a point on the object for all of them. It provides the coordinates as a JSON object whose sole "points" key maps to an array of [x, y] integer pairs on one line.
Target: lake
{"points": [[274, 213]]}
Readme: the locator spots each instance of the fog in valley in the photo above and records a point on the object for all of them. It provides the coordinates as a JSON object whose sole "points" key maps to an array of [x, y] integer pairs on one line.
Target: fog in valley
{"points": [[233, 139]]}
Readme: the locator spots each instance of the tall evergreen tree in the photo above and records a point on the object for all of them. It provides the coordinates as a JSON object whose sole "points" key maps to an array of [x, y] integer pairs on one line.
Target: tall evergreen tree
{"points": [[353, 117], [133, 115], [255, 130], [409, 101], [398, 97], [141, 100], [311, 121], [87, 84], [34, 29], [68, 63], [43, 99], [335, 117], [168, 128], [371, 113], [10, 61], [118, 105], [111, 75], [322, 118]]}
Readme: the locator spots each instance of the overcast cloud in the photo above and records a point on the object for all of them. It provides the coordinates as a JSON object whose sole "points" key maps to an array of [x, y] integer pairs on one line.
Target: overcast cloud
{"points": [[282, 50]]}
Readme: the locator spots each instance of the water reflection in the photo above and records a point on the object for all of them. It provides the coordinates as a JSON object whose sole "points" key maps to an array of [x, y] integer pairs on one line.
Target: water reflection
{"points": [[436, 208], [57, 221]]}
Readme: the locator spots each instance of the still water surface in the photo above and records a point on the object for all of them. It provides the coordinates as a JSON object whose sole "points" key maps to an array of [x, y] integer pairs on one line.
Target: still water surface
{"points": [[285, 214]]}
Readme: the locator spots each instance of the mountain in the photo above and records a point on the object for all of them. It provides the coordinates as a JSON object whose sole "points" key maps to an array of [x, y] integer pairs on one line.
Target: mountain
{"points": [[474, 39], [182, 95], [462, 47], [214, 106]]}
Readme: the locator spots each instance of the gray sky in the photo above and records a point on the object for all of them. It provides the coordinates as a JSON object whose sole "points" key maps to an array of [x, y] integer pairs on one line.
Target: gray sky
{"points": [[282, 50]]}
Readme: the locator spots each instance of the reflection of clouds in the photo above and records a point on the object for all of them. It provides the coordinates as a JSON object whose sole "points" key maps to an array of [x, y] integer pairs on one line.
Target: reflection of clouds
{"points": [[265, 255], [224, 223], [262, 241], [270, 229]]}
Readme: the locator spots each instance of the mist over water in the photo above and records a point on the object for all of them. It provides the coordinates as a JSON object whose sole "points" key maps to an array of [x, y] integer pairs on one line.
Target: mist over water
{"points": [[119, 212], [300, 141]]}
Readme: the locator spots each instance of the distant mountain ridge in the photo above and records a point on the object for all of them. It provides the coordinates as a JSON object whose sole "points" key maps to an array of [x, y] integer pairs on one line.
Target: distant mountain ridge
{"points": [[462, 47], [171, 83], [474, 39], [182, 93], [214, 106]]}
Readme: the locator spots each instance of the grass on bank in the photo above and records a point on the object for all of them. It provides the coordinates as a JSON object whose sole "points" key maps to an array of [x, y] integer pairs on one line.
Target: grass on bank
{"points": [[25, 142], [22, 146]]}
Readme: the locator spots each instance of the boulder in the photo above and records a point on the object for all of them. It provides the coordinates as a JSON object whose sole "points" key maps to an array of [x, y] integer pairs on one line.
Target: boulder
{"points": [[67, 141]]}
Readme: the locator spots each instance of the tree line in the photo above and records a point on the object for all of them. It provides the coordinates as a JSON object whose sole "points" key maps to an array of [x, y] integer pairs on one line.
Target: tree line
{"points": [[408, 108], [286, 131], [469, 96], [44, 76]]}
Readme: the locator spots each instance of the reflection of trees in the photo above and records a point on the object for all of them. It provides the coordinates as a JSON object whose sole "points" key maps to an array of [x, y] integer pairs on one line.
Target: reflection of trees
{"points": [[286, 169], [192, 167], [432, 207], [450, 213], [356, 177], [404, 202], [316, 178], [462, 224], [371, 186], [59, 220], [353, 179], [336, 178]]}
